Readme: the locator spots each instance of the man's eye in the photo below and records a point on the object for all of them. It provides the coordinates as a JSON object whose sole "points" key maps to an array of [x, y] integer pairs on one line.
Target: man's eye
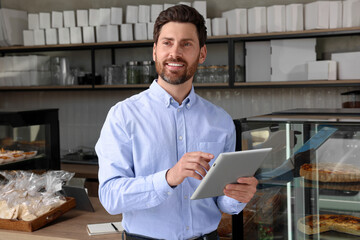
{"points": [[187, 44], [166, 43]]}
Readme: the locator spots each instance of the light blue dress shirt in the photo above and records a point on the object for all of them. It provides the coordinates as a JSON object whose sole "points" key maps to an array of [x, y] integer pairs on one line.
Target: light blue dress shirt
{"points": [[144, 136]]}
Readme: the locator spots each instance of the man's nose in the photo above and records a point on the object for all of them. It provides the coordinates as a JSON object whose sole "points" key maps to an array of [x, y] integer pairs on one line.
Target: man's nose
{"points": [[176, 51]]}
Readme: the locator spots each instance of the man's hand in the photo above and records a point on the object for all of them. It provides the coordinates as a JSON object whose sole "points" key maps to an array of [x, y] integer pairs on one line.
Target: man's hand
{"points": [[243, 190], [192, 164]]}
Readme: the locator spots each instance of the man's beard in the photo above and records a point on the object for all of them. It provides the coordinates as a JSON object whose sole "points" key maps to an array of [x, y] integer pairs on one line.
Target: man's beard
{"points": [[176, 78]]}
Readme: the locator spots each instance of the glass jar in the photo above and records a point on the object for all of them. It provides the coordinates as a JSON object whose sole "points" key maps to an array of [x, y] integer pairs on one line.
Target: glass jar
{"points": [[239, 73], [212, 74], [132, 72], [146, 72], [200, 74]]}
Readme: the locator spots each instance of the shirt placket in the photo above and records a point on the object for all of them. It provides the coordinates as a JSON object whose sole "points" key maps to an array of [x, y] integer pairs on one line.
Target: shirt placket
{"points": [[181, 146]]}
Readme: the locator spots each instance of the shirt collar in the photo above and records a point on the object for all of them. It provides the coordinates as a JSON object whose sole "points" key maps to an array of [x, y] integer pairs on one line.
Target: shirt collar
{"points": [[166, 98]]}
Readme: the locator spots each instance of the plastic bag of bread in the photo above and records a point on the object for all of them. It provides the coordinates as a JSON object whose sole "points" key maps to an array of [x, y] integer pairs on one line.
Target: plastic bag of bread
{"points": [[25, 195]]}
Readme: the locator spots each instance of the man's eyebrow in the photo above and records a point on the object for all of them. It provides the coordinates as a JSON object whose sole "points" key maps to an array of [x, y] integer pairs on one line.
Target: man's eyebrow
{"points": [[182, 40]]}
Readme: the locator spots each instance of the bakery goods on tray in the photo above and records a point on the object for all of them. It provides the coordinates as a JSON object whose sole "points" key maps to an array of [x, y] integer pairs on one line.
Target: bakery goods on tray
{"points": [[314, 224], [330, 172]]}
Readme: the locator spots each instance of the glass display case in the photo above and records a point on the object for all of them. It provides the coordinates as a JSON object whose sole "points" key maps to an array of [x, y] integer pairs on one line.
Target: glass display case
{"points": [[309, 186], [29, 140]]}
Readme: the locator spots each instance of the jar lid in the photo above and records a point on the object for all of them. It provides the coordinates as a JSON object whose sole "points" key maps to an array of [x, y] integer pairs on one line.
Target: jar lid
{"points": [[146, 62], [132, 63]]}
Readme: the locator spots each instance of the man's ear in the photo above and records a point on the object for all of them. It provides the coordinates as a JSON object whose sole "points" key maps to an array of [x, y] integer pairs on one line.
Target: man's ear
{"points": [[154, 54], [203, 52]]}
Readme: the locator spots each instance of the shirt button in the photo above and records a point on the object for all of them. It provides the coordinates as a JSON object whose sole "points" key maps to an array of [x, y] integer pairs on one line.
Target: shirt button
{"points": [[180, 137], [178, 110], [185, 197], [188, 105], [187, 227]]}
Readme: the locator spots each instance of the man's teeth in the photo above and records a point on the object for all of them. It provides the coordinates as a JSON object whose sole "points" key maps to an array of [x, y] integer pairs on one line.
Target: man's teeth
{"points": [[175, 64]]}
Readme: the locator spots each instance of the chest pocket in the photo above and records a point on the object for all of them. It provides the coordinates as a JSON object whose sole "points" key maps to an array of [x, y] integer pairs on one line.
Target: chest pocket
{"points": [[214, 148]]}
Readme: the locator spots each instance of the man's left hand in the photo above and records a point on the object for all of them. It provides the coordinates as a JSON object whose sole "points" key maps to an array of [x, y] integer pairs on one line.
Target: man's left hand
{"points": [[243, 190]]}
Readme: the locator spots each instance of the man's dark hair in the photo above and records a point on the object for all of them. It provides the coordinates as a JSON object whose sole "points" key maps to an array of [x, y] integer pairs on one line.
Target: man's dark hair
{"points": [[183, 14]]}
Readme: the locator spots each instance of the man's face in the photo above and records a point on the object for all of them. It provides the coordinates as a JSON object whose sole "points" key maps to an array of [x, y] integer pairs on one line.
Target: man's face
{"points": [[177, 52]]}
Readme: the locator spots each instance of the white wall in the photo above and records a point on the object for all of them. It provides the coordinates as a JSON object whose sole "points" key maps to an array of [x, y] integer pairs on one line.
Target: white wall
{"points": [[82, 113]]}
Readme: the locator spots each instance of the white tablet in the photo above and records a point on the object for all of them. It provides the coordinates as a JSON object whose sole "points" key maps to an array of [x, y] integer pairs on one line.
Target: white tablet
{"points": [[227, 168]]}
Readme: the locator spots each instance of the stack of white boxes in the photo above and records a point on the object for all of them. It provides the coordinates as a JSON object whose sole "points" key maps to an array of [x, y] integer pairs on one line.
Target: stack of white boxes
{"points": [[32, 70]]}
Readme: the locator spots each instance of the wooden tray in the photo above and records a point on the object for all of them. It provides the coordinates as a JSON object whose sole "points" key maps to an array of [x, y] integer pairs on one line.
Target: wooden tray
{"points": [[30, 226]]}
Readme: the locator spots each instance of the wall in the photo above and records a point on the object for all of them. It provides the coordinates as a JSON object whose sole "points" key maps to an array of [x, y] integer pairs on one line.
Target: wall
{"points": [[83, 112]]}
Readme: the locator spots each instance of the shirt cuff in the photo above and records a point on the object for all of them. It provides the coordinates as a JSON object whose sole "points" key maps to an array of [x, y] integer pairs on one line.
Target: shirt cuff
{"points": [[230, 205], [161, 186]]}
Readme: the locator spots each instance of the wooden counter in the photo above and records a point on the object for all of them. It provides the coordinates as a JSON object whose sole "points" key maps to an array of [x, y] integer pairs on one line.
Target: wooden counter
{"points": [[71, 225]]}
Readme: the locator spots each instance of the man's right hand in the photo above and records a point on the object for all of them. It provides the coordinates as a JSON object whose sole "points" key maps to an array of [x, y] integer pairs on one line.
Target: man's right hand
{"points": [[192, 164]]}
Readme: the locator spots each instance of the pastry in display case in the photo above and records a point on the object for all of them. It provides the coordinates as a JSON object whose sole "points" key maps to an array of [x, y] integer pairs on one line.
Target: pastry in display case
{"points": [[309, 185], [29, 139]]}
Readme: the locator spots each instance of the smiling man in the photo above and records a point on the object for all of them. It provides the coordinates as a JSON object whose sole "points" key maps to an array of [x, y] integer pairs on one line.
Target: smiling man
{"points": [[155, 147]]}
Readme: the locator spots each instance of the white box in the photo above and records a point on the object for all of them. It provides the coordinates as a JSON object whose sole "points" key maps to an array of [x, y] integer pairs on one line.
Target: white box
{"points": [[8, 64], [236, 21], [200, 6], [317, 15], [150, 30], [336, 14], [64, 36], [14, 22], [132, 14], [168, 5], [144, 14], [276, 18], [113, 33], [33, 21], [101, 34], [257, 20], [116, 16], [140, 31], [185, 3], [39, 62], [75, 35], [24, 78], [351, 16], [28, 36], [57, 19], [44, 20], [21, 63], [348, 65], [105, 15], [321, 70], [88, 34], [94, 17], [39, 37], [295, 17], [51, 36], [109, 33], [258, 61], [156, 9], [126, 32], [289, 58], [218, 26], [69, 19], [208, 27], [82, 18]]}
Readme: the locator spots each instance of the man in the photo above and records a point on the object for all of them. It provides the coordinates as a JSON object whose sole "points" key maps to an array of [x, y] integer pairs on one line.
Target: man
{"points": [[156, 146]]}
